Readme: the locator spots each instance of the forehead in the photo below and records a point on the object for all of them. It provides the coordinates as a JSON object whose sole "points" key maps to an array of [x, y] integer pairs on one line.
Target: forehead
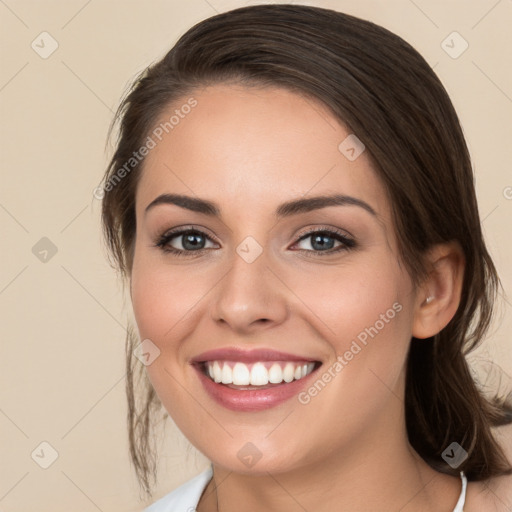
{"points": [[252, 149]]}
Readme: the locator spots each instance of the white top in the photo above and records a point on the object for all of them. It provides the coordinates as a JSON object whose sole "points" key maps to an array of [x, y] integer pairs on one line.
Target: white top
{"points": [[186, 497]]}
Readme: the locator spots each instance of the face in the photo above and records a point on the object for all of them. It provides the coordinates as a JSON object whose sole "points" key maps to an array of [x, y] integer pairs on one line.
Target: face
{"points": [[252, 280]]}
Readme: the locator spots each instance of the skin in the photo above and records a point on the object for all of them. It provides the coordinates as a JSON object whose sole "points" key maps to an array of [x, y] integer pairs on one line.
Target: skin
{"points": [[249, 150]]}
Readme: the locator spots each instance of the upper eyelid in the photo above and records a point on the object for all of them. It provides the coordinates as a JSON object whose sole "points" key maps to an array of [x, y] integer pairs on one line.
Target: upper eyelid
{"points": [[336, 231], [179, 231]]}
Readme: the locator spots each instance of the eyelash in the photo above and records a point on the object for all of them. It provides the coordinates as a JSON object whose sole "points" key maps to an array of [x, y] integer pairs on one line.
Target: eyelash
{"points": [[163, 241]]}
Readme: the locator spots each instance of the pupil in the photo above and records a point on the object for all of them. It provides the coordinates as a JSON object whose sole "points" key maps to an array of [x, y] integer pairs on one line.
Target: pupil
{"points": [[324, 242], [192, 241]]}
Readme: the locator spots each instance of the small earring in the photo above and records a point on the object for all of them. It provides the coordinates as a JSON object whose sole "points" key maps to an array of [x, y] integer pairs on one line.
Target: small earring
{"points": [[428, 300]]}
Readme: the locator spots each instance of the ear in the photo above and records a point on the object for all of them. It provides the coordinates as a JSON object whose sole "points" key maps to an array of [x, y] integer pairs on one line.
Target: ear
{"points": [[439, 295]]}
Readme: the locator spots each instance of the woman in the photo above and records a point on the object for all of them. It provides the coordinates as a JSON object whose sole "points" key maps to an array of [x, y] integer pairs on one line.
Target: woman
{"points": [[291, 199]]}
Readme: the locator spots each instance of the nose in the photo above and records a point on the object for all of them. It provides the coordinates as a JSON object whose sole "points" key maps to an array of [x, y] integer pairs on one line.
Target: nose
{"points": [[249, 298]]}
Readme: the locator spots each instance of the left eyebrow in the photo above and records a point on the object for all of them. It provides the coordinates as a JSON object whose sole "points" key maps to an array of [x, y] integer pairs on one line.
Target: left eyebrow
{"points": [[286, 209], [315, 203]]}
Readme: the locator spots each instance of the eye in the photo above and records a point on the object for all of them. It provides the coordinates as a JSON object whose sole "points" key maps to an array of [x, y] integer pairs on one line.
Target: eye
{"points": [[180, 242], [324, 241], [191, 241]]}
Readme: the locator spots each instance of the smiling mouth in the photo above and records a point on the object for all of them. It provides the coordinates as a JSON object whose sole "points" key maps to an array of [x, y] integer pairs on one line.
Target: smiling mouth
{"points": [[257, 375]]}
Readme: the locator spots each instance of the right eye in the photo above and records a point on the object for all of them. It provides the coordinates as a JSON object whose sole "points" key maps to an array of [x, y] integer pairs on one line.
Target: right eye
{"points": [[181, 242]]}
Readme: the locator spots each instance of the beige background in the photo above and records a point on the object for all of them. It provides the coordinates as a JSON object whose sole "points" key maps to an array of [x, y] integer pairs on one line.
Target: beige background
{"points": [[62, 354]]}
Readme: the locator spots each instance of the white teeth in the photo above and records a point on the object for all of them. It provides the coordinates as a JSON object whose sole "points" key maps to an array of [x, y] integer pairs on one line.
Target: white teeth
{"points": [[241, 375], [288, 372], [275, 374], [257, 374], [227, 374], [217, 372]]}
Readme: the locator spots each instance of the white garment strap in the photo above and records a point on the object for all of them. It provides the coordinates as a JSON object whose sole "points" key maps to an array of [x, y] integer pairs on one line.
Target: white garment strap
{"points": [[462, 498]]}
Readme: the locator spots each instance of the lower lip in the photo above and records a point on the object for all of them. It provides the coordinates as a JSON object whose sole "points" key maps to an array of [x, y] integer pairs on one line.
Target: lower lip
{"points": [[252, 400]]}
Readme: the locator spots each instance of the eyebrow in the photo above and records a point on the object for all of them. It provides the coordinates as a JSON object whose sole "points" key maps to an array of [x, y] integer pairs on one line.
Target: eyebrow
{"points": [[286, 209]]}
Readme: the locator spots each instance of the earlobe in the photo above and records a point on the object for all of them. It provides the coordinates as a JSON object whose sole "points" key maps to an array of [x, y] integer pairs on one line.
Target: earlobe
{"points": [[439, 296]]}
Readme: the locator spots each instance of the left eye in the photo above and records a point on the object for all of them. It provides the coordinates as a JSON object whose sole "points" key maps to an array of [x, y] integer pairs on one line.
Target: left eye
{"points": [[324, 241]]}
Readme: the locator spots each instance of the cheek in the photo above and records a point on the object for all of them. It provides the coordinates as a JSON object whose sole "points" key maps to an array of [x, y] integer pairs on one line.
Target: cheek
{"points": [[354, 301], [366, 317], [163, 304], [162, 297]]}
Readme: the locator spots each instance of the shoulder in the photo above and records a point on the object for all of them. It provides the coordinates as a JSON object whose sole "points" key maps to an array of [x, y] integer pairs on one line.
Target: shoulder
{"points": [[186, 497], [493, 495]]}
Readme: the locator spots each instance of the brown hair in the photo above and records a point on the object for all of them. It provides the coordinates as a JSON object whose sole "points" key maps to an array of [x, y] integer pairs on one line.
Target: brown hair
{"points": [[378, 86]]}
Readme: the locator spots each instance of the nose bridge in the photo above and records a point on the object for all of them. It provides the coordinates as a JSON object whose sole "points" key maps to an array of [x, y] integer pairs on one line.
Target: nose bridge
{"points": [[249, 294]]}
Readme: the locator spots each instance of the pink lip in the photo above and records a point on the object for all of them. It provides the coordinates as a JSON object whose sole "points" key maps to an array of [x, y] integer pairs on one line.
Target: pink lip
{"points": [[252, 400], [247, 356]]}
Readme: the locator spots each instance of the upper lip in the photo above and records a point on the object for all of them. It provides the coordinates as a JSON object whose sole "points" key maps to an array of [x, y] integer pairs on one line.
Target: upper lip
{"points": [[247, 356]]}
